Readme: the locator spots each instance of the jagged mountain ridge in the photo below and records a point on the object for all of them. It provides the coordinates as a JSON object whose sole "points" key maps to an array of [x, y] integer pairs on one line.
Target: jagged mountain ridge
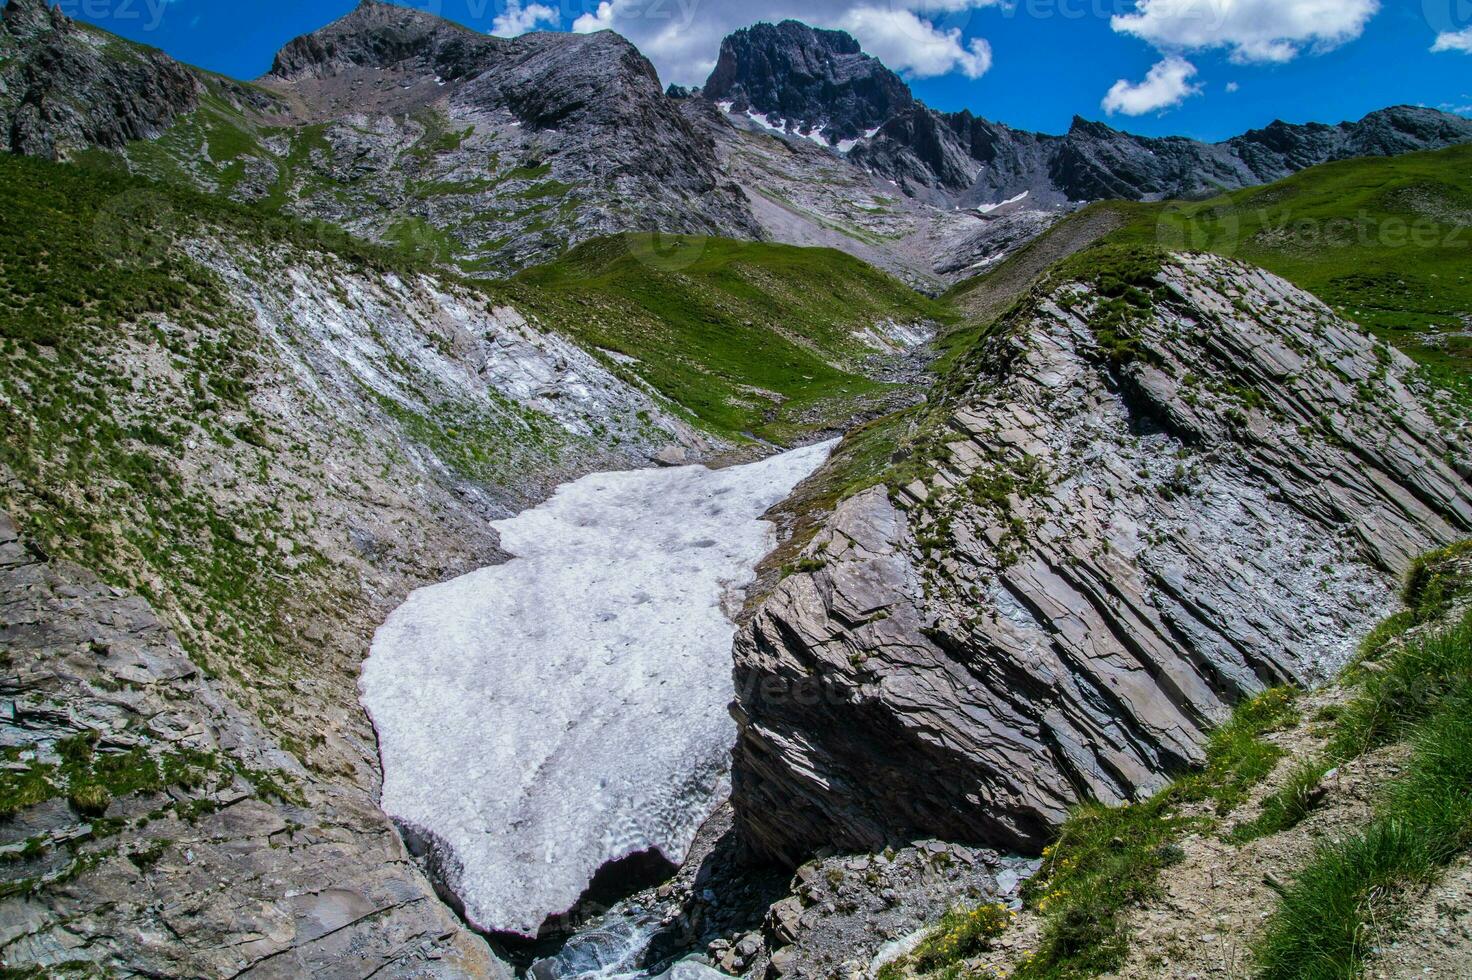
{"points": [[984, 162], [396, 124], [819, 83]]}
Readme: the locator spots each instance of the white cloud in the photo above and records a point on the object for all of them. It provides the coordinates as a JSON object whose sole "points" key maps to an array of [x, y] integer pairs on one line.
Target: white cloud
{"points": [[918, 38], [1454, 41], [518, 19], [912, 44], [1167, 84], [1233, 87], [1254, 31]]}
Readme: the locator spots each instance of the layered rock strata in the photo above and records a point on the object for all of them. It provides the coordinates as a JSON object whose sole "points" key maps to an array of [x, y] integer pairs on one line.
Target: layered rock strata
{"points": [[1139, 511]]}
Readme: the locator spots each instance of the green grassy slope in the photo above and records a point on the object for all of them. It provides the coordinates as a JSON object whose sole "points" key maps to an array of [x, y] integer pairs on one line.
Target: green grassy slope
{"points": [[90, 285], [750, 338], [1387, 242]]}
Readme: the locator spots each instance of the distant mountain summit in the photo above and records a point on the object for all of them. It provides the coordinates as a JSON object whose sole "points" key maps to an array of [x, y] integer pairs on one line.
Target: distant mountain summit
{"points": [[820, 83], [580, 137], [382, 35], [813, 80], [960, 157]]}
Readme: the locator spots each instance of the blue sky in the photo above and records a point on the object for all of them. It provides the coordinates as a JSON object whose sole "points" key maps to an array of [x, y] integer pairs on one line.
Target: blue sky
{"points": [[1202, 68]]}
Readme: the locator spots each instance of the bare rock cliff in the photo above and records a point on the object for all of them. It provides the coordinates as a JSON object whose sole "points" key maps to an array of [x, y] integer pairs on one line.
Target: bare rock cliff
{"points": [[1149, 501], [64, 87]]}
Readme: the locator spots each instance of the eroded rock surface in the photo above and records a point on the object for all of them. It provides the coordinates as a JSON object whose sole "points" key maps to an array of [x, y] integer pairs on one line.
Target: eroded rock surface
{"points": [[229, 858], [64, 87], [1122, 531]]}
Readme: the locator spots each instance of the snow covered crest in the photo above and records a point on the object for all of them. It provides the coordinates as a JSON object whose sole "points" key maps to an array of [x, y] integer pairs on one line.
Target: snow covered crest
{"points": [[569, 708]]}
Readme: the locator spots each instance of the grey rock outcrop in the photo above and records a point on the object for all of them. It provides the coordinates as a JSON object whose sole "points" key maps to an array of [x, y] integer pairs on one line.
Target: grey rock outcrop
{"points": [[1125, 526], [228, 859], [847, 913], [64, 87], [811, 79]]}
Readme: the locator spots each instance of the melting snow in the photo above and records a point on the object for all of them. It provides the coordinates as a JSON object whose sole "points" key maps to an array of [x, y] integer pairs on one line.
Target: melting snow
{"points": [[989, 208], [844, 146], [785, 127], [568, 708]]}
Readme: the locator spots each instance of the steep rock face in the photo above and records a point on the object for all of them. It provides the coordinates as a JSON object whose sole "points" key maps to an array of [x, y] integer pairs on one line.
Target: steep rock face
{"points": [[938, 154], [812, 79], [804, 194], [1124, 529], [573, 120], [64, 87], [236, 870]]}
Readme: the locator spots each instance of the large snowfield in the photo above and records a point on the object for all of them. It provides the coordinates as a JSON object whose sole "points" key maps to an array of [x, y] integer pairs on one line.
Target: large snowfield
{"points": [[568, 708]]}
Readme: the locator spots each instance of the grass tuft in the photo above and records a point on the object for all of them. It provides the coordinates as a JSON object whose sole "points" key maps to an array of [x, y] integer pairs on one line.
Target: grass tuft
{"points": [[1107, 859], [1352, 891], [1289, 805], [1405, 689]]}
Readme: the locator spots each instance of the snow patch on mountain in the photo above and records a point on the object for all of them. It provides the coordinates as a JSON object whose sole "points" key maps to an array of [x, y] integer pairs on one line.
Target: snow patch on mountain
{"points": [[989, 208], [541, 718]]}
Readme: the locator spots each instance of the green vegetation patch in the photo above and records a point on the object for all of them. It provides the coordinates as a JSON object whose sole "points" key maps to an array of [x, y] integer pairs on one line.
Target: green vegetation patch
{"points": [[1351, 893], [1125, 283], [961, 934], [753, 340], [1385, 241], [487, 443], [90, 778], [1287, 806], [1106, 860]]}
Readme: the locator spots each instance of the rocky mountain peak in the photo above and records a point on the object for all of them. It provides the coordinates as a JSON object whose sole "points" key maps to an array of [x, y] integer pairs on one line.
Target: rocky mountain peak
{"points": [[62, 90], [382, 35], [1091, 129], [809, 77], [28, 18]]}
